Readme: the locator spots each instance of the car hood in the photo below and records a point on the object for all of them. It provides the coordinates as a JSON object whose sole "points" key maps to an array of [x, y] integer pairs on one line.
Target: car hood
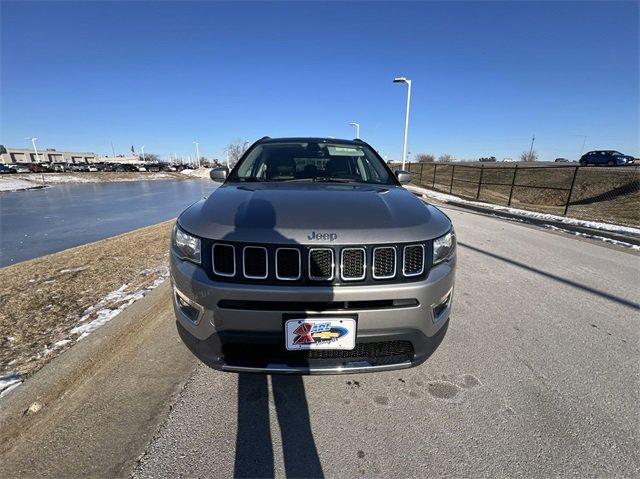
{"points": [[314, 213]]}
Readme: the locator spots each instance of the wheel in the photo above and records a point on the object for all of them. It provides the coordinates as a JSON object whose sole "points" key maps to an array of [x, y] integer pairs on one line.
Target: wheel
{"points": [[610, 163], [583, 162]]}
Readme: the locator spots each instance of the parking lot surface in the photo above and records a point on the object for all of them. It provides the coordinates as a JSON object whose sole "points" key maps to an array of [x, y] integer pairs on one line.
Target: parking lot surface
{"points": [[538, 376]]}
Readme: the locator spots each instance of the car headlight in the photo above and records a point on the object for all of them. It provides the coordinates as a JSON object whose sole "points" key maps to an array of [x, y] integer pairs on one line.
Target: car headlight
{"points": [[444, 247], [186, 246]]}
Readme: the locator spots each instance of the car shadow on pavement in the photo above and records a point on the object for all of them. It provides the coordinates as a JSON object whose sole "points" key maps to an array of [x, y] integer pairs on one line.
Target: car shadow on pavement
{"points": [[575, 284], [254, 444]]}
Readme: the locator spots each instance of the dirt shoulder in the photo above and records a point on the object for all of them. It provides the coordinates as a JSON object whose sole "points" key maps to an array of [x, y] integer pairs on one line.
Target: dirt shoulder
{"points": [[49, 303]]}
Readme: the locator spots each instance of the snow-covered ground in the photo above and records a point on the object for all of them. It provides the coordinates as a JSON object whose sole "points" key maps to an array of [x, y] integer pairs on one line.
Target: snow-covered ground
{"points": [[16, 184], [445, 198], [197, 173]]}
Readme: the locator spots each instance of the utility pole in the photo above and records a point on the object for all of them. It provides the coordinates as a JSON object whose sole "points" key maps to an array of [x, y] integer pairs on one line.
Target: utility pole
{"points": [[357, 125], [143, 158], [113, 150], [584, 141]]}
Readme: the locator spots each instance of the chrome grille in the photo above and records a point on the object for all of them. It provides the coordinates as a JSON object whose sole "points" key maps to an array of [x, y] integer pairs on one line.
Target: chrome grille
{"points": [[254, 262], [224, 259], [353, 264], [321, 264], [384, 262], [288, 264], [413, 262]]}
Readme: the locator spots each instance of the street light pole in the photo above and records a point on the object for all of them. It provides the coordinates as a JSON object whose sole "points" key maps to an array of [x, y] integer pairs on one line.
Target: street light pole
{"points": [[143, 158], [357, 125], [197, 153], [584, 141], [33, 142], [406, 117]]}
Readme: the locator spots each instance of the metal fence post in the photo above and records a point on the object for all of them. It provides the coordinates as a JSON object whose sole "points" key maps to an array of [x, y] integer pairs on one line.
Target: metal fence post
{"points": [[421, 168], [453, 172], [573, 182], [480, 181], [513, 182], [435, 167]]}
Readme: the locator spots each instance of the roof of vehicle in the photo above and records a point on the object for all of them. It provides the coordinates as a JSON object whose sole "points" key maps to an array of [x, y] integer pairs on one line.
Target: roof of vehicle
{"points": [[306, 139]]}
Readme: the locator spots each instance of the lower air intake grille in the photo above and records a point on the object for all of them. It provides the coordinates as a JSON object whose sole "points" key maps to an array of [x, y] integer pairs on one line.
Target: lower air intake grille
{"points": [[224, 263], [321, 264], [384, 263], [255, 262], [353, 264], [266, 353], [413, 260]]}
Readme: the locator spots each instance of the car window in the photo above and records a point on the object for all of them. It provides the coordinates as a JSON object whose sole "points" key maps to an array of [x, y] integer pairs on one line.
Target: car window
{"points": [[313, 161]]}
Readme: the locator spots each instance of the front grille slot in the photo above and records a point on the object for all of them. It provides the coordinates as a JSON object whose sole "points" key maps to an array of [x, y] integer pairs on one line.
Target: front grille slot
{"points": [[321, 264], [384, 262], [353, 264], [288, 264], [254, 262], [413, 262], [224, 259]]}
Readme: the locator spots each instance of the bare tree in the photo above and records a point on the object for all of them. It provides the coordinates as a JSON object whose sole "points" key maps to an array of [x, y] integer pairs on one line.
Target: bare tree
{"points": [[235, 150], [446, 158], [425, 158], [529, 156]]}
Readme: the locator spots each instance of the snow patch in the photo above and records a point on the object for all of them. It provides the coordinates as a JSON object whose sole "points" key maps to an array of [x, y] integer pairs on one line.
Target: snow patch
{"points": [[197, 173], [9, 381], [104, 313], [74, 270], [12, 184], [446, 198]]}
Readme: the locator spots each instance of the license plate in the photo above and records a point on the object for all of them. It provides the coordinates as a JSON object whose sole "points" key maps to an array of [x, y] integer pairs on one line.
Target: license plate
{"points": [[320, 333]]}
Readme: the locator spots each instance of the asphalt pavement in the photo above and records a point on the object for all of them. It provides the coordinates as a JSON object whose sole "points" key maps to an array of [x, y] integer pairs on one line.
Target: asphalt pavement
{"points": [[537, 376]]}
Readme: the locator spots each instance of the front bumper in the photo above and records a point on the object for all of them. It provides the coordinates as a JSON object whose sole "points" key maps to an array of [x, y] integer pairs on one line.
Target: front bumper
{"points": [[398, 325]]}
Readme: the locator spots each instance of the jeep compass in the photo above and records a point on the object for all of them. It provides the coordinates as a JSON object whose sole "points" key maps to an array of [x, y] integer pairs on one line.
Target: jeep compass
{"points": [[312, 258]]}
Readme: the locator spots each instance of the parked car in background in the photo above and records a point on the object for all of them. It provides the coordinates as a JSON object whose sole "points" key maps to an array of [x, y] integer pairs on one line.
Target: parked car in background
{"points": [[6, 169], [154, 167], [606, 157], [106, 167], [561, 160], [92, 168], [141, 168], [38, 168], [21, 168], [59, 167], [167, 167]]}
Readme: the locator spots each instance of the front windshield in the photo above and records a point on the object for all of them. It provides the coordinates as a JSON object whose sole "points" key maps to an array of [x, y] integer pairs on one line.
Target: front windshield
{"points": [[312, 161]]}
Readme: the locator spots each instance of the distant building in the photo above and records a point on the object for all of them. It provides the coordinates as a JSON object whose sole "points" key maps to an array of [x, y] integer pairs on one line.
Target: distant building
{"points": [[49, 155]]}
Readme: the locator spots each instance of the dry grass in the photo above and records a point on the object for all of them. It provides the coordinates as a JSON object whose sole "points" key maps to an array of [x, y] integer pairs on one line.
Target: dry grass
{"points": [[43, 299]]}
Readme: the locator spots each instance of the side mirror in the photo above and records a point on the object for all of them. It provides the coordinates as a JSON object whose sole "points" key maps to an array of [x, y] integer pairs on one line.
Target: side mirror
{"points": [[403, 176], [219, 174]]}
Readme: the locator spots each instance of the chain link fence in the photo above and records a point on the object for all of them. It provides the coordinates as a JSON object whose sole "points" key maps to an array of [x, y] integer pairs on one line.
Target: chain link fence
{"points": [[609, 194]]}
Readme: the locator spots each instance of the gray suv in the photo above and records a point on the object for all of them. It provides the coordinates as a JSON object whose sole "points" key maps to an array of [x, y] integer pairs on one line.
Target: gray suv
{"points": [[312, 258]]}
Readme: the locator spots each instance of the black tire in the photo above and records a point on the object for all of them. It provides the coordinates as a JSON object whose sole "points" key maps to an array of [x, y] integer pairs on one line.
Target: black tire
{"points": [[583, 162], [610, 163]]}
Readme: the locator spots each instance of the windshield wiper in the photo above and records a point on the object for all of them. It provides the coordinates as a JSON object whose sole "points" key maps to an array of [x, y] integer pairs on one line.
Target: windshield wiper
{"points": [[333, 179], [250, 179]]}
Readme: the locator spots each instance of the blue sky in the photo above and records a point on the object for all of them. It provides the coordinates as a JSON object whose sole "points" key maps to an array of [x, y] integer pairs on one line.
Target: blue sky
{"points": [[486, 76]]}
